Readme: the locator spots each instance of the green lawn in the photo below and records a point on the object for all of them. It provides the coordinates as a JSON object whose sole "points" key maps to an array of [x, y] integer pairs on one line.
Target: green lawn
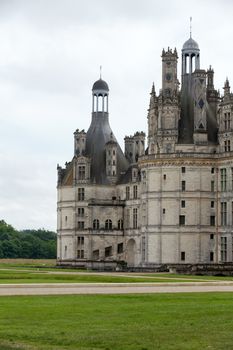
{"points": [[20, 276], [123, 322]]}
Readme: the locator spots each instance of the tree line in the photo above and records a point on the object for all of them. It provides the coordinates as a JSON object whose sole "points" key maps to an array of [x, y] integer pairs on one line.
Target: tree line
{"points": [[27, 244]]}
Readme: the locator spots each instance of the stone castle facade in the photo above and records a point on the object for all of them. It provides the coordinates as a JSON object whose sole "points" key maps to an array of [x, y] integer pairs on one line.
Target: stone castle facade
{"points": [[169, 203]]}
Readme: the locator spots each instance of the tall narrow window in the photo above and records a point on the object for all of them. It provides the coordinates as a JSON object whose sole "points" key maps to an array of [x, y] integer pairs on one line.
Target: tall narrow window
{"points": [[182, 256], [182, 204], [212, 186], [81, 172], [225, 121], [232, 179], [182, 220], [135, 218], [228, 120], [223, 179], [81, 212], [81, 194], [223, 213], [135, 192], [96, 224], [183, 170], [80, 225], [212, 220], [183, 185], [108, 224], [120, 224], [127, 192], [211, 256], [223, 248]]}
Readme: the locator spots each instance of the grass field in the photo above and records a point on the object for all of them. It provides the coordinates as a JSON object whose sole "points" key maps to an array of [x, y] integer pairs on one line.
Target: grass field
{"points": [[124, 322], [45, 271]]}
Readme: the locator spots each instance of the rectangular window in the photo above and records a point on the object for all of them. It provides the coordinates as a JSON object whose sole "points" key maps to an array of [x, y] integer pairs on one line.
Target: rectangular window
{"points": [[135, 218], [211, 256], [228, 145], [80, 254], [212, 220], [81, 212], [211, 236], [183, 204], [225, 121], [164, 210], [80, 225], [225, 146], [81, 172], [81, 194], [80, 240], [232, 179], [108, 251], [182, 256], [135, 192], [183, 170], [120, 248], [223, 213], [212, 186], [183, 185], [212, 170], [212, 204], [223, 249], [182, 220], [164, 176], [96, 254], [228, 121], [127, 192]]}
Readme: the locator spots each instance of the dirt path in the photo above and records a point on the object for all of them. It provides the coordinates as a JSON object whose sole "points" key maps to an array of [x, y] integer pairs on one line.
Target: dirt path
{"points": [[113, 288]]}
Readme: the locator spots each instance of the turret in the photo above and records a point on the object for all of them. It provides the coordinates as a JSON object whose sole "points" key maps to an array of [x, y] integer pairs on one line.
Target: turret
{"points": [[79, 142], [134, 146]]}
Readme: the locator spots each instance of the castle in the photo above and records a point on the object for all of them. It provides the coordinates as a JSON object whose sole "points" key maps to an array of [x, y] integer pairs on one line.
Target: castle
{"points": [[168, 203]]}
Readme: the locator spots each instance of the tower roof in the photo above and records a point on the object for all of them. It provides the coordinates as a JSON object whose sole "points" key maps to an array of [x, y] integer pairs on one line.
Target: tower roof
{"points": [[100, 85], [190, 44]]}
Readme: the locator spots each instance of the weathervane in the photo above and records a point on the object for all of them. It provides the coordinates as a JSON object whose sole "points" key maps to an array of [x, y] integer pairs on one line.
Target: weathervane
{"points": [[100, 72]]}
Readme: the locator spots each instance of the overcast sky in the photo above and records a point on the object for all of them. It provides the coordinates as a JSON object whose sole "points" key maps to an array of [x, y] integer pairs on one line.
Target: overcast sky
{"points": [[50, 53]]}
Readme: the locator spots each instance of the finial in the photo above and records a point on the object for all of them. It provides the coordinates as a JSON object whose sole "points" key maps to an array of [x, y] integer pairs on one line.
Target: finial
{"points": [[100, 72], [190, 27]]}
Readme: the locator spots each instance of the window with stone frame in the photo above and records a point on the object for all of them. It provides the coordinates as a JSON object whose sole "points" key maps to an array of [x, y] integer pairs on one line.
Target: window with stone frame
{"points": [[212, 185], [223, 213], [211, 256], [81, 194], [182, 256], [80, 254], [80, 212], [183, 204], [135, 191], [127, 192], [108, 251], [120, 225], [120, 247], [223, 249], [95, 254], [81, 225], [108, 224], [135, 217], [81, 172], [96, 224], [182, 220], [183, 185], [80, 240], [223, 179], [212, 220]]}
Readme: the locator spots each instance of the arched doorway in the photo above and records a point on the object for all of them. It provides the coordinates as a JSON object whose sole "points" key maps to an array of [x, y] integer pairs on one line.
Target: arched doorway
{"points": [[131, 248]]}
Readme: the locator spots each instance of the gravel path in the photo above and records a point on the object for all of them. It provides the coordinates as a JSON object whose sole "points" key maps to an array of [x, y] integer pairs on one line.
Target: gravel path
{"points": [[113, 288]]}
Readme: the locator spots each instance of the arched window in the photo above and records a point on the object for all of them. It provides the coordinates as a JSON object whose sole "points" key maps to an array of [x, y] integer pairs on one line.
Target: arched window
{"points": [[108, 224], [120, 224], [96, 224]]}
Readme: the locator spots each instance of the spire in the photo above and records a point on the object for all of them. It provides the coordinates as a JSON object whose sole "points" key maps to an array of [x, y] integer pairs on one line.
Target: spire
{"points": [[100, 72], [190, 27], [226, 87], [152, 96]]}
